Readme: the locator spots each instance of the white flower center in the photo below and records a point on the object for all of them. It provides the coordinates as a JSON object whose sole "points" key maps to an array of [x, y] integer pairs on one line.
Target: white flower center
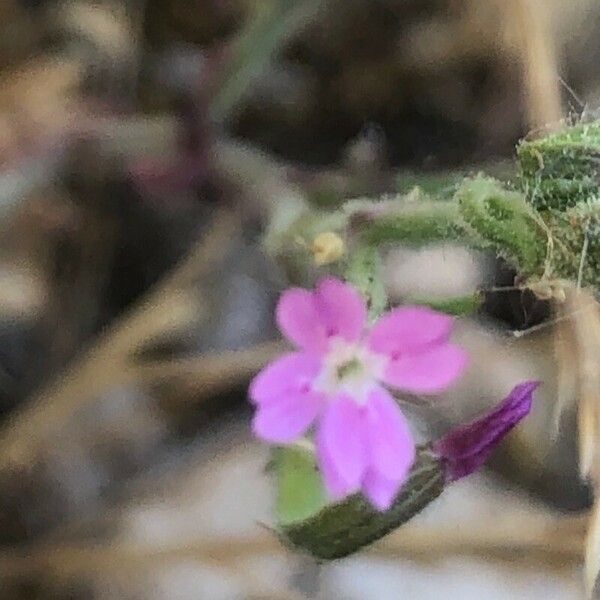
{"points": [[350, 369]]}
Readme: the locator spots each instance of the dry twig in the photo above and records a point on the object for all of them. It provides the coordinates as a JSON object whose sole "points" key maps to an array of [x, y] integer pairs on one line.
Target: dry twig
{"points": [[170, 306]]}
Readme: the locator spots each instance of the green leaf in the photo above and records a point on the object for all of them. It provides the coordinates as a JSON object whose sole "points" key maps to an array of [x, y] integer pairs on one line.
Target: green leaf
{"points": [[272, 24], [561, 169], [503, 221]]}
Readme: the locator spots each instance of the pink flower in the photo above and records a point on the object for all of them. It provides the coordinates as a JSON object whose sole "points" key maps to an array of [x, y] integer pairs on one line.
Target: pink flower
{"points": [[363, 441]]}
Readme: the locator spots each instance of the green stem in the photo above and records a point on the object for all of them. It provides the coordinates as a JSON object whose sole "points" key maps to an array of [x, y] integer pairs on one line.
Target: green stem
{"points": [[364, 272], [457, 306], [413, 224]]}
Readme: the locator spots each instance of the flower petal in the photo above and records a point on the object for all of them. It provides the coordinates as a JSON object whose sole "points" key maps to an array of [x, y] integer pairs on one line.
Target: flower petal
{"points": [[337, 487], [287, 375], [341, 446], [287, 419], [390, 442], [427, 372], [342, 310], [380, 491], [409, 328], [309, 319], [298, 321]]}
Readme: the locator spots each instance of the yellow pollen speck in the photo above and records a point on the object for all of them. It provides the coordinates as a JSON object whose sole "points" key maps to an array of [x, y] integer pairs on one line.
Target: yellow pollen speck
{"points": [[327, 247]]}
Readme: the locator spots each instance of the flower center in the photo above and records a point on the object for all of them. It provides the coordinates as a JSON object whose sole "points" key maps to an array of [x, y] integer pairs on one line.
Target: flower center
{"points": [[349, 369], [353, 367]]}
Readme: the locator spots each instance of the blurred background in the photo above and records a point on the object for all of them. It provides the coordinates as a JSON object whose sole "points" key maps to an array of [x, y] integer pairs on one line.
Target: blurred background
{"points": [[146, 146]]}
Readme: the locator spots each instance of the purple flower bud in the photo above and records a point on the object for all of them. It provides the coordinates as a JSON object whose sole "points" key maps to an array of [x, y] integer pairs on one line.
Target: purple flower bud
{"points": [[466, 449]]}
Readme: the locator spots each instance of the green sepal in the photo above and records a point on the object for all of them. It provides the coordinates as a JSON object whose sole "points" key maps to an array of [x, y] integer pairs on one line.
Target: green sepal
{"points": [[328, 531]]}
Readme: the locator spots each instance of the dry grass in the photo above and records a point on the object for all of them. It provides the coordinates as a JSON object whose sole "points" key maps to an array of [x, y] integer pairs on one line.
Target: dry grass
{"points": [[583, 360], [171, 306], [536, 539]]}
